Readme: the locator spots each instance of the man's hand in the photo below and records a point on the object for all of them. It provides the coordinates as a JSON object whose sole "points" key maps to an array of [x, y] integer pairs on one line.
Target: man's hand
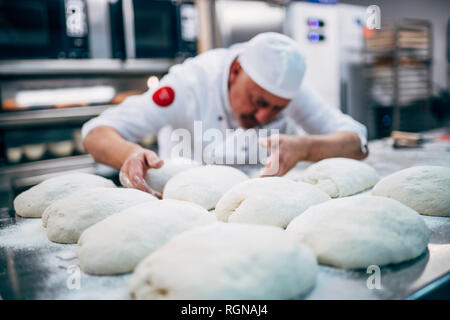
{"points": [[132, 160], [285, 152], [133, 171]]}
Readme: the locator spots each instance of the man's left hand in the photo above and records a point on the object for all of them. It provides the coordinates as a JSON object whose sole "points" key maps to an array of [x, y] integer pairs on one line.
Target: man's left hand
{"points": [[285, 152]]}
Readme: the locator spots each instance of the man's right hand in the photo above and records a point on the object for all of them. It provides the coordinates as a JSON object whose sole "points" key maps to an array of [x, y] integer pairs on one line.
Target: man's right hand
{"points": [[134, 169]]}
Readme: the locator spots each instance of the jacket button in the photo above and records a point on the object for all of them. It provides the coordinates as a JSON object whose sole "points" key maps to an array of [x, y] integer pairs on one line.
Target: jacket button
{"points": [[220, 118]]}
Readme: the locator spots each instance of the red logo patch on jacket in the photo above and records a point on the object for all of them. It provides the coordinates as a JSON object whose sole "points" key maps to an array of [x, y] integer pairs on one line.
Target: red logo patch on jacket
{"points": [[164, 96]]}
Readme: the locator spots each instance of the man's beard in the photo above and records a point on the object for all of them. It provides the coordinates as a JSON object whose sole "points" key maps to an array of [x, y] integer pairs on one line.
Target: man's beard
{"points": [[248, 121]]}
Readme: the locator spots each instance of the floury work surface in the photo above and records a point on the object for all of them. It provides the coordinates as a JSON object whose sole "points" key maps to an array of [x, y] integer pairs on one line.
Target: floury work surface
{"points": [[34, 268], [31, 267]]}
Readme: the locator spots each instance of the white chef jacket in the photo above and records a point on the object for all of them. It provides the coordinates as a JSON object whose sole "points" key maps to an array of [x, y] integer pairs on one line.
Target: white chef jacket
{"points": [[200, 85]]}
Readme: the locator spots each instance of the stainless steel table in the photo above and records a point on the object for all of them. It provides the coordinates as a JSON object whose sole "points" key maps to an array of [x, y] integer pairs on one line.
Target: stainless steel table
{"points": [[33, 268]]}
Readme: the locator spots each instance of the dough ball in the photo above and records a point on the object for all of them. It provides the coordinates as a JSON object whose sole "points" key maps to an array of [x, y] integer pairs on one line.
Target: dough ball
{"points": [[67, 218], [78, 141], [34, 151], [118, 243], [203, 185], [340, 177], [227, 261], [14, 155], [61, 148], [157, 178], [357, 232], [33, 202], [274, 201], [148, 141], [425, 189]]}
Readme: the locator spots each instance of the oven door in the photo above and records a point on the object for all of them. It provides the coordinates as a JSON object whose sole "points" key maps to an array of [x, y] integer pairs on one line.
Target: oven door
{"points": [[152, 28], [29, 28], [34, 29]]}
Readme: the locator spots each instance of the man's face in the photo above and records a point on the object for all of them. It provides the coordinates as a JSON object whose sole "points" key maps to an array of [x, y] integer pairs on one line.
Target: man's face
{"points": [[251, 104]]}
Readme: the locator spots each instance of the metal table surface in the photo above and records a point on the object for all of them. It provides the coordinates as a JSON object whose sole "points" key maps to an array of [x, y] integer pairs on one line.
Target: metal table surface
{"points": [[31, 267]]}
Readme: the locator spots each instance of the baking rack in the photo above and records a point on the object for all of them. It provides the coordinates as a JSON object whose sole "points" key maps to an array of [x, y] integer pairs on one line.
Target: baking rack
{"points": [[398, 76]]}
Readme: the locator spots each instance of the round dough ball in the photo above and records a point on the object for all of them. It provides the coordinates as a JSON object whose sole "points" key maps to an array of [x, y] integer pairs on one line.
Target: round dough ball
{"points": [[227, 261], [340, 177], [203, 185], [357, 232], [34, 151], [33, 202], [148, 141], [14, 155], [273, 201], [425, 189], [61, 148], [78, 141], [118, 243], [67, 218], [157, 178]]}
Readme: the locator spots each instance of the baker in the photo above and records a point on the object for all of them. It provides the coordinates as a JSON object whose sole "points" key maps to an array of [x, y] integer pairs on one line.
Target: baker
{"points": [[248, 85]]}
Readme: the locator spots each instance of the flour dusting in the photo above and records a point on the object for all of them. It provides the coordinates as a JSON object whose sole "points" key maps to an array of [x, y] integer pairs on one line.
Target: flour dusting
{"points": [[26, 234]]}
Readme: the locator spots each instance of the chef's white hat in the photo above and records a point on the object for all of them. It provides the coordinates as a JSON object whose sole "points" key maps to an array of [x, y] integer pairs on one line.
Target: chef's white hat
{"points": [[275, 63]]}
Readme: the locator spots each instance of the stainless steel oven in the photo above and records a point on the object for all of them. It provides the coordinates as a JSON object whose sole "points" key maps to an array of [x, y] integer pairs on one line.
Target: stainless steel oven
{"points": [[47, 93], [34, 29], [153, 28]]}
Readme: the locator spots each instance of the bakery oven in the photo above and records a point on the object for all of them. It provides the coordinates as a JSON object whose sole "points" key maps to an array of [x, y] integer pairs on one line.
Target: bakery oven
{"points": [[63, 62], [31, 29], [41, 118], [153, 28]]}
